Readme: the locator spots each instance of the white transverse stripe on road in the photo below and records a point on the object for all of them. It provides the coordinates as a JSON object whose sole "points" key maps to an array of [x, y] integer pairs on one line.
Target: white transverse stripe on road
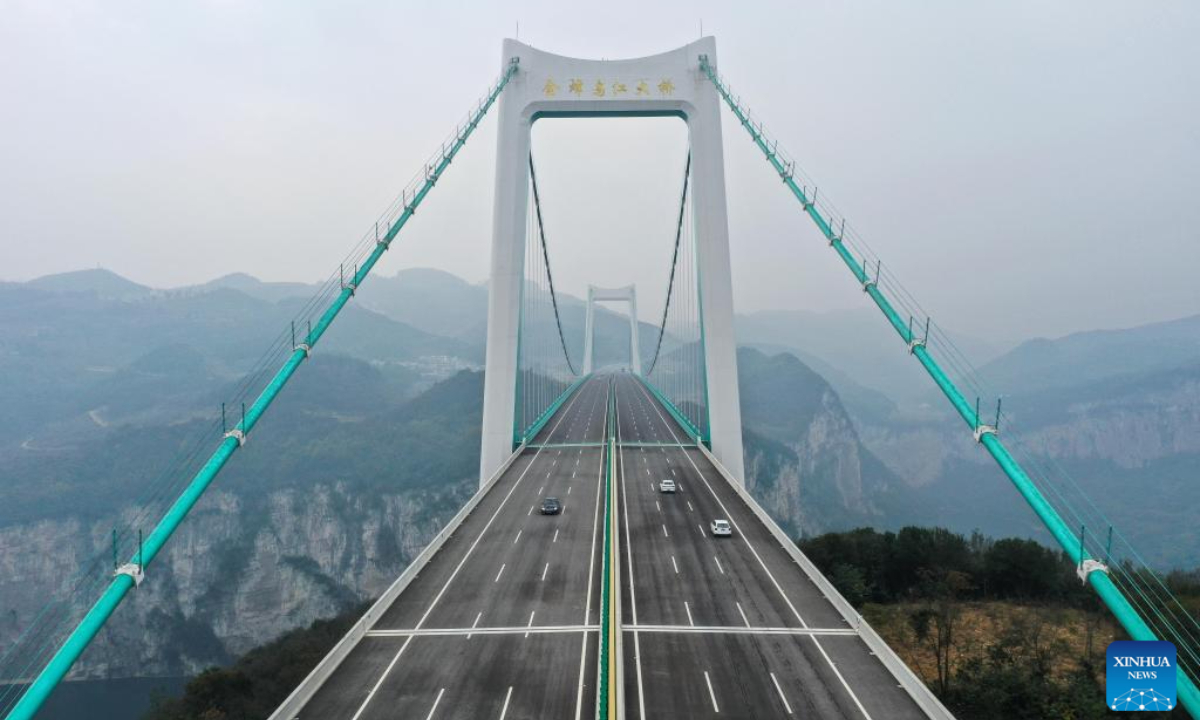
{"points": [[735, 630], [469, 631]]}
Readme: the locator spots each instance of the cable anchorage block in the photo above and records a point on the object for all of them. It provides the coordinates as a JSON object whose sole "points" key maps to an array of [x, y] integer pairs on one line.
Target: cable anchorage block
{"points": [[306, 348], [789, 169], [236, 434], [1089, 566], [981, 430], [133, 570]]}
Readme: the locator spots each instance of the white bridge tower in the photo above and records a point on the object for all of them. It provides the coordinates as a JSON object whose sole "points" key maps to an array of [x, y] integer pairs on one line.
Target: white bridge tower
{"points": [[552, 86], [627, 294]]}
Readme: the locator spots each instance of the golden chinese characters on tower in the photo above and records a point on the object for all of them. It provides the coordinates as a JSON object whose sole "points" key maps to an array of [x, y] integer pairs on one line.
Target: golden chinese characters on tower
{"points": [[605, 88]]}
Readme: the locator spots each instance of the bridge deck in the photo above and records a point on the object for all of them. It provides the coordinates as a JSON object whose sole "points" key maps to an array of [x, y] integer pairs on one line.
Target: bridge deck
{"points": [[724, 601], [507, 571], [502, 622]]}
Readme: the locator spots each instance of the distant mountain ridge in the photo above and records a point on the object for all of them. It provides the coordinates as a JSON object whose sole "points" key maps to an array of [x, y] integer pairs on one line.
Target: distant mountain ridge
{"points": [[1085, 357], [1115, 406], [100, 282], [858, 344], [375, 443]]}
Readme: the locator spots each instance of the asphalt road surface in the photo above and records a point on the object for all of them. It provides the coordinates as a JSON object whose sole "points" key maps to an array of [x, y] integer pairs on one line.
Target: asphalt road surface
{"points": [[503, 622], [724, 627]]}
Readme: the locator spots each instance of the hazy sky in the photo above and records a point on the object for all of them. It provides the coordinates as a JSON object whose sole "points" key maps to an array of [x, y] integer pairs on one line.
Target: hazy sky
{"points": [[1026, 167]]}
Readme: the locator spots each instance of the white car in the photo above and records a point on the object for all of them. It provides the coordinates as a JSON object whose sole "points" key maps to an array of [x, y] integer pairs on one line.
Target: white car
{"points": [[720, 528], [667, 486]]}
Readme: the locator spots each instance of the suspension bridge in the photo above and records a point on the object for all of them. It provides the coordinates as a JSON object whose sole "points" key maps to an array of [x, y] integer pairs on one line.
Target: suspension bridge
{"points": [[624, 603]]}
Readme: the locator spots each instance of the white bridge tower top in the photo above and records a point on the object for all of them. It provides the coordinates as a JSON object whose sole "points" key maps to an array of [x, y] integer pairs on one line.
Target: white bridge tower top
{"points": [[669, 84]]}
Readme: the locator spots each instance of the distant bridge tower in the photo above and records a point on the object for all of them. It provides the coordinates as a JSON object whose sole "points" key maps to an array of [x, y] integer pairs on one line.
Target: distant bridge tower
{"points": [[625, 294], [552, 86]]}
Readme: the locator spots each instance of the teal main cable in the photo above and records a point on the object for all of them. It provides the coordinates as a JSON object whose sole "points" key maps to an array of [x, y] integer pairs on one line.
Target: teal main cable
{"points": [[62, 661], [1096, 574]]}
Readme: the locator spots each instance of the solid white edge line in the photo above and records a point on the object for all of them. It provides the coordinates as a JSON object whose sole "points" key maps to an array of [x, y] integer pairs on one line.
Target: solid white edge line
{"points": [[587, 605], [905, 677], [294, 703], [433, 603], [637, 643], [778, 587]]}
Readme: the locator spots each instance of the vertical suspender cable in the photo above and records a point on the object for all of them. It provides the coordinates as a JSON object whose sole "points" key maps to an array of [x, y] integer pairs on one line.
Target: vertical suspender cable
{"points": [[674, 263]]}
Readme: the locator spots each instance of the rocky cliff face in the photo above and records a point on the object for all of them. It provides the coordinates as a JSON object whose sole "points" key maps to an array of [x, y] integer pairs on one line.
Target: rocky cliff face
{"points": [[1122, 440], [804, 461], [240, 571], [1130, 427], [1128, 422]]}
